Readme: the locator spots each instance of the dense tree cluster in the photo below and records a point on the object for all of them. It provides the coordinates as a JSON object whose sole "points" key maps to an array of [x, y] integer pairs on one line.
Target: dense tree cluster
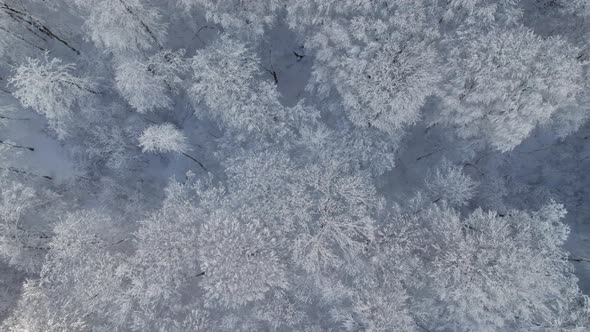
{"points": [[303, 165]]}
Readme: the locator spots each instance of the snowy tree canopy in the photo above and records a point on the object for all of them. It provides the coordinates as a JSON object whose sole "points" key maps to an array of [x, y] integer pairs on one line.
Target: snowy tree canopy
{"points": [[122, 24], [48, 87], [484, 265], [147, 85], [303, 165], [509, 83], [163, 138]]}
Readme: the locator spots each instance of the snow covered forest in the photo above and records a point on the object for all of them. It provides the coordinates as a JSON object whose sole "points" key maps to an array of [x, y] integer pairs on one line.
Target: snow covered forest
{"points": [[294, 165]]}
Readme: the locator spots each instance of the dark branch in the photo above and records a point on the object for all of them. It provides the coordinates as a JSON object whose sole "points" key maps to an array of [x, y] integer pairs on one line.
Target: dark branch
{"points": [[18, 146], [195, 160], [16, 170], [23, 17]]}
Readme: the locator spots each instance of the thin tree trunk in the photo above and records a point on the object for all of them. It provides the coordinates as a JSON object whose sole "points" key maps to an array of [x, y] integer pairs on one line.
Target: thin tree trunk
{"points": [[16, 170], [18, 146], [23, 17]]}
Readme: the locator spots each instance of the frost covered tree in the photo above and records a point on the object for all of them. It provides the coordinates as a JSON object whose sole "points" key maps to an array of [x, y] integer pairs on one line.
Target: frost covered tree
{"points": [[144, 91], [166, 138], [187, 244], [121, 25], [377, 308], [339, 217], [36, 313], [223, 88], [165, 262], [449, 183], [506, 83], [262, 177], [364, 148], [83, 272], [79, 278], [325, 211], [397, 171], [147, 85], [491, 272], [163, 138], [280, 311], [238, 17], [50, 88], [239, 261], [22, 242], [463, 15], [108, 143], [379, 58]]}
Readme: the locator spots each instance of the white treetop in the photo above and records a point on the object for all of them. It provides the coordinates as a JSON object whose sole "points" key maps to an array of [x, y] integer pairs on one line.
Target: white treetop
{"points": [[121, 25], [49, 87], [163, 138], [505, 84], [239, 259]]}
